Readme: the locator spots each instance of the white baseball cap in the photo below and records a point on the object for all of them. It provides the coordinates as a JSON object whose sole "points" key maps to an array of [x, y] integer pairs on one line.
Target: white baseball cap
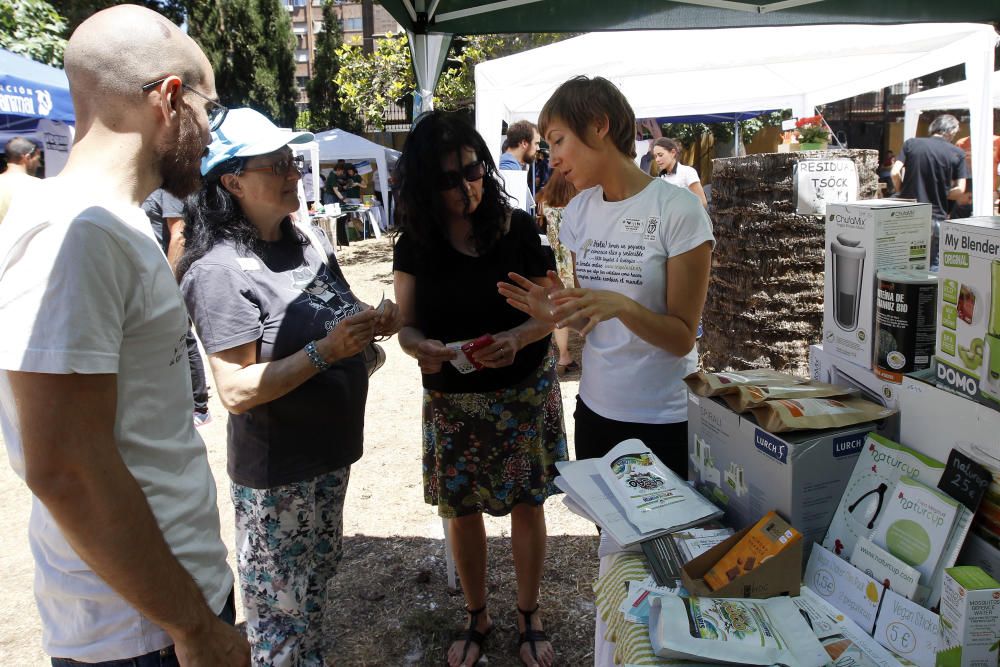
{"points": [[246, 133]]}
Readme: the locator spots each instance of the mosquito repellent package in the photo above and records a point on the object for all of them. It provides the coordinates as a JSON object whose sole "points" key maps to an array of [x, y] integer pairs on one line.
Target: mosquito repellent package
{"points": [[879, 467], [734, 631]]}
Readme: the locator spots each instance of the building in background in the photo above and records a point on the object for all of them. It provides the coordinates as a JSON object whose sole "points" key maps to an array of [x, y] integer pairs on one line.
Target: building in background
{"points": [[307, 22]]}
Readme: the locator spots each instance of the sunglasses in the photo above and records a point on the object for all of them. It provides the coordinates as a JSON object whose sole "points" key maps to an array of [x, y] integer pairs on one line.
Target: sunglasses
{"points": [[216, 112], [470, 173], [282, 167]]}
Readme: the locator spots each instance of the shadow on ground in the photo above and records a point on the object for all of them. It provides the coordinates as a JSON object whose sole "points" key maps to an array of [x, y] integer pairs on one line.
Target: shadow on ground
{"points": [[390, 603]]}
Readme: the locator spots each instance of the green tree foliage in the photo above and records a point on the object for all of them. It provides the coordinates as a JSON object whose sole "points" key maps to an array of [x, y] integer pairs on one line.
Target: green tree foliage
{"points": [[325, 106], [33, 28], [76, 11], [370, 83], [252, 50]]}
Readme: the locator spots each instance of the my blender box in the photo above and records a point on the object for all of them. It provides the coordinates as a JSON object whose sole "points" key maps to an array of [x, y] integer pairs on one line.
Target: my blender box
{"points": [[828, 367], [968, 327], [748, 471], [862, 238]]}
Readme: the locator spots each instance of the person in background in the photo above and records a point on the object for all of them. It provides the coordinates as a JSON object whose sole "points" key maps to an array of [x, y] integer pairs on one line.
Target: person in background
{"points": [[308, 188], [553, 200], [666, 152], [962, 207], [95, 401], [23, 157], [352, 185], [640, 331], [166, 215], [932, 170], [491, 437], [284, 335], [522, 142]]}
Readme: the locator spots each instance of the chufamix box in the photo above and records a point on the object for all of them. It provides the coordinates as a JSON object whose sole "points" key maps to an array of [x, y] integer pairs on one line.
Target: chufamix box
{"points": [[863, 238], [748, 471], [968, 322]]}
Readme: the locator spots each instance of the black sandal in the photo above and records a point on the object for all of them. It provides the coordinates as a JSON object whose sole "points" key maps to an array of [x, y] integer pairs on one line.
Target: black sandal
{"points": [[473, 636], [530, 635]]}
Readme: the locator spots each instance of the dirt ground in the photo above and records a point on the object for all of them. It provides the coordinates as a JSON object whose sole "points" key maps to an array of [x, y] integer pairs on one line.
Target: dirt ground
{"points": [[390, 604]]}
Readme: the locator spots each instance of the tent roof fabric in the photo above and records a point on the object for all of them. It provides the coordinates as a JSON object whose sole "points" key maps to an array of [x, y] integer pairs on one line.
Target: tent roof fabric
{"points": [[497, 16], [953, 96], [33, 90]]}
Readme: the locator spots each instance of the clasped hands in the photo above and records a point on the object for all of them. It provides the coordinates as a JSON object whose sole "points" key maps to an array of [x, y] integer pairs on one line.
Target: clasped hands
{"points": [[354, 332], [553, 302], [432, 354]]}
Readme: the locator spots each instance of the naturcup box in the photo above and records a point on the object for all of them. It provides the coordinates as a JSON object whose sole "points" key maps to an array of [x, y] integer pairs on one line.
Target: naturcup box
{"points": [[968, 318], [862, 238], [748, 471]]}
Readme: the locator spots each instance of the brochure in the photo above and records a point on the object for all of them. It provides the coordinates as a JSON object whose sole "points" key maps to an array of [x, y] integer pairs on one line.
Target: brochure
{"points": [[848, 589], [846, 643]]}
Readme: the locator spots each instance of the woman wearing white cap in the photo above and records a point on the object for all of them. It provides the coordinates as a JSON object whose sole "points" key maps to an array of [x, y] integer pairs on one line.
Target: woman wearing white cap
{"points": [[284, 334]]}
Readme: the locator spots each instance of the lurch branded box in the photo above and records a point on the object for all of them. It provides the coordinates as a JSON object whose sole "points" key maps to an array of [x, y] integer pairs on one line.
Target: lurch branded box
{"points": [[863, 238], [970, 619], [968, 320], [748, 471]]}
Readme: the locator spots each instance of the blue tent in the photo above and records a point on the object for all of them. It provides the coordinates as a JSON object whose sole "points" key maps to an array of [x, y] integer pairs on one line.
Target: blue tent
{"points": [[31, 91]]}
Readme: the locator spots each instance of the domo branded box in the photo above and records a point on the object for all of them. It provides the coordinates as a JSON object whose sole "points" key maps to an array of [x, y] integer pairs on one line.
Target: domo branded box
{"points": [[748, 471], [968, 327], [863, 238]]}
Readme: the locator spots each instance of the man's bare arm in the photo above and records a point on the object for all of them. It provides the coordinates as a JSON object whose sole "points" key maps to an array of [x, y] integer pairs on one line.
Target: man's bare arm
{"points": [[175, 248], [73, 466]]}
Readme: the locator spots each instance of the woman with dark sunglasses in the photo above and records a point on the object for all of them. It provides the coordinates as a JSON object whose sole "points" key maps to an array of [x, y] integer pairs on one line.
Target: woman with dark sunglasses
{"points": [[492, 428], [283, 332]]}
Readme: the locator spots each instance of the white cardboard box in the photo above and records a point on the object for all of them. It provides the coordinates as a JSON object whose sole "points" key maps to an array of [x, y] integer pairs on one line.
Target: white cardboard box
{"points": [[827, 367], [968, 318], [862, 238], [748, 471]]}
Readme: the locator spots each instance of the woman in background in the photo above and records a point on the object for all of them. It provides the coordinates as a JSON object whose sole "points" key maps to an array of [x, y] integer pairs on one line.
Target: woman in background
{"points": [[552, 202], [666, 152]]}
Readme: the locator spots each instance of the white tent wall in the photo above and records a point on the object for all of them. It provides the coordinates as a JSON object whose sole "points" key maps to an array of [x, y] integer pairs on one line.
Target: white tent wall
{"points": [[729, 70], [341, 145], [953, 96]]}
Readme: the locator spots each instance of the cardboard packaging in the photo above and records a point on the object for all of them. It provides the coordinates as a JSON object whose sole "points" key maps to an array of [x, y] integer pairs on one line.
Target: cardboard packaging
{"points": [[862, 238], [970, 619], [766, 539], [828, 367], [778, 575], [748, 471], [922, 428], [968, 320]]}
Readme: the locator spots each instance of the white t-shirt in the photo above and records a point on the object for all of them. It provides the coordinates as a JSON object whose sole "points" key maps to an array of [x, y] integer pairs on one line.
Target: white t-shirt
{"points": [[84, 288], [683, 176], [624, 246]]}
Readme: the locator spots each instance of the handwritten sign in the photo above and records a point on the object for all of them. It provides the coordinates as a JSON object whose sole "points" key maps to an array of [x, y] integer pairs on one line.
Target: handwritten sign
{"points": [[819, 181]]}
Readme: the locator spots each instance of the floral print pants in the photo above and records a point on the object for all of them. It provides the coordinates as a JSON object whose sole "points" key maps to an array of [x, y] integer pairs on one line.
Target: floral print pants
{"points": [[289, 543]]}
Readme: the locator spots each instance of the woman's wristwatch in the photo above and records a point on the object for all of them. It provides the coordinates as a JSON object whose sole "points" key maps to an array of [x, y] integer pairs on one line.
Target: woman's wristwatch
{"points": [[315, 357]]}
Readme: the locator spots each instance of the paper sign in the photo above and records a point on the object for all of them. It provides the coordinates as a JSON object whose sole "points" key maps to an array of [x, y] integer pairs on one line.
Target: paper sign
{"points": [[908, 630], [844, 586], [818, 182]]}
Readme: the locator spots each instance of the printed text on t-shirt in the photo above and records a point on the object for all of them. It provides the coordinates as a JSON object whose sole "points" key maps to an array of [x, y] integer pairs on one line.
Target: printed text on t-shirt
{"points": [[611, 262]]}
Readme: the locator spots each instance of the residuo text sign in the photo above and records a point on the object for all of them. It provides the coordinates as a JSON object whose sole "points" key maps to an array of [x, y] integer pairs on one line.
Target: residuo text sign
{"points": [[819, 181]]}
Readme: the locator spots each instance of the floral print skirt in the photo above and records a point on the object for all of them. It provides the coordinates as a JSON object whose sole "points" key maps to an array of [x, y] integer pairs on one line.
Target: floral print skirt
{"points": [[488, 451]]}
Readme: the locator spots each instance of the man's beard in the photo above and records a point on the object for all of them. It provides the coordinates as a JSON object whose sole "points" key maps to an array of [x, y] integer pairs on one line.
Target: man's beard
{"points": [[180, 160]]}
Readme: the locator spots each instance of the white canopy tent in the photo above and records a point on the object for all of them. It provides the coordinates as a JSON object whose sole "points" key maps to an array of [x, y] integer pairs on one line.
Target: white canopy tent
{"points": [[742, 69], [342, 145], [952, 96]]}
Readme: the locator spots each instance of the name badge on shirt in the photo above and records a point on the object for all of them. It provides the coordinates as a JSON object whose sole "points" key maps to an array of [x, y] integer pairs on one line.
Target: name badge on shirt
{"points": [[631, 225], [248, 263]]}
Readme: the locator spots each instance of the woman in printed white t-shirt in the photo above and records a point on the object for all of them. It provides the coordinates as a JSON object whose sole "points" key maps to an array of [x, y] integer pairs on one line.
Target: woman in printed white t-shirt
{"points": [[666, 152], [641, 251]]}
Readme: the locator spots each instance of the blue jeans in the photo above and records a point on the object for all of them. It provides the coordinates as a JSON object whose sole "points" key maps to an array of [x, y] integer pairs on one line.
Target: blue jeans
{"points": [[163, 658]]}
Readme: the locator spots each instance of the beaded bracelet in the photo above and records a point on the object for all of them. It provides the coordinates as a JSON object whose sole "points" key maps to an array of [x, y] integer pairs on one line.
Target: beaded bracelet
{"points": [[314, 356]]}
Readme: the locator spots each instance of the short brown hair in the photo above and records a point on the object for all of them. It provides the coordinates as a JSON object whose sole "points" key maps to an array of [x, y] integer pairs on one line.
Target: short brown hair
{"points": [[582, 100], [522, 130], [558, 191], [668, 144]]}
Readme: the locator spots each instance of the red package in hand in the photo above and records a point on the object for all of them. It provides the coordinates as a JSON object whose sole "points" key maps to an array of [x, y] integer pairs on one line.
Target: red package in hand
{"points": [[474, 345]]}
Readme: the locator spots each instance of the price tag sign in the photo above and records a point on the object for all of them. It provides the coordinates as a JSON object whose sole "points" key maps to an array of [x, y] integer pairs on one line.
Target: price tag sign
{"points": [[965, 480], [819, 181]]}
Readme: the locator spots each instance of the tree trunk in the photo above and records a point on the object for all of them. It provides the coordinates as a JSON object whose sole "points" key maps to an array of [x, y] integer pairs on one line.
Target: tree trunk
{"points": [[765, 298]]}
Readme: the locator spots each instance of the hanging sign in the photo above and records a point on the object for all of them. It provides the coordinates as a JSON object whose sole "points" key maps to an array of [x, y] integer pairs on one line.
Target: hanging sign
{"points": [[819, 181]]}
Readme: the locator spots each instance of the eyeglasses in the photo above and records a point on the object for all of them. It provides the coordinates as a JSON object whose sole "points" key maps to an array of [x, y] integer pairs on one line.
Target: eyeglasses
{"points": [[282, 167], [216, 113], [470, 173]]}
